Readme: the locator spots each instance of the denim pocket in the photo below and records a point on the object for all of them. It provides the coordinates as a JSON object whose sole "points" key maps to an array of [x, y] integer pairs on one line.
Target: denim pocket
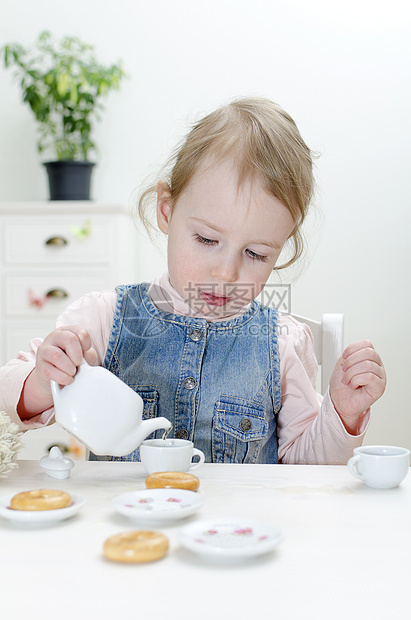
{"points": [[239, 428], [150, 399]]}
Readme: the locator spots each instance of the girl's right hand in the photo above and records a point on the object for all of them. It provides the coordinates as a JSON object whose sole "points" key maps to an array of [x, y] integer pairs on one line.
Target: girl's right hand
{"points": [[59, 355]]}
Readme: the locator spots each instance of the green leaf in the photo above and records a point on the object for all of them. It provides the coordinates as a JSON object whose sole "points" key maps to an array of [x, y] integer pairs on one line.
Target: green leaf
{"points": [[73, 94], [62, 84], [6, 55], [102, 87], [49, 78]]}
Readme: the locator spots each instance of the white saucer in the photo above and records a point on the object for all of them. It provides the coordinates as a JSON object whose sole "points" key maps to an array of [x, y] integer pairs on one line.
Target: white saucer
{"points": [[230, 538], [40, 516], [159, 505]]}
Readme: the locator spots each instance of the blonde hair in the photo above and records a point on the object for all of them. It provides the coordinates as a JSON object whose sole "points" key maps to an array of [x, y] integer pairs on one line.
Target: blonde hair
{"points": [[264, 142]]}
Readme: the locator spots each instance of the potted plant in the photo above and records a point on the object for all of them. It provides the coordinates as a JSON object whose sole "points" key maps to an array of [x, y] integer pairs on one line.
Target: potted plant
{"points": [[64, 86]]}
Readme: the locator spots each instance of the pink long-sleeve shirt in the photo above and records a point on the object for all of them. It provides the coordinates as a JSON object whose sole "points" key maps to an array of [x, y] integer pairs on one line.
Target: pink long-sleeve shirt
{"points": [[309, 429]]}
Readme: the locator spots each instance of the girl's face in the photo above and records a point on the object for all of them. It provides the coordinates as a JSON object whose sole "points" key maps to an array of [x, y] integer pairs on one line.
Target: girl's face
{"points": [[223, 240]]}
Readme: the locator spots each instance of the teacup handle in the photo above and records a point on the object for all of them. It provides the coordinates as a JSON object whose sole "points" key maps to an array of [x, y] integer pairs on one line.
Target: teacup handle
{"points": [[197, 463], [352, 467]]}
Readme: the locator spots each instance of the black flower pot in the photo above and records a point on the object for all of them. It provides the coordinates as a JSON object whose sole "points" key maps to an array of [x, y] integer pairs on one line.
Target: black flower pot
{"points": [[69, 180]]}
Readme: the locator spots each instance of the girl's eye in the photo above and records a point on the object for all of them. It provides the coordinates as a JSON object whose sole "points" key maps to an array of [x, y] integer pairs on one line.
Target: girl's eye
{"points": [[255, 256], [250, 253], [204, 240]]}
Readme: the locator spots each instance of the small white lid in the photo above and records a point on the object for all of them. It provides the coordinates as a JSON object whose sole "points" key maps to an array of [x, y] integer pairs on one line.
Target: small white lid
{"points": [[56, 465]]}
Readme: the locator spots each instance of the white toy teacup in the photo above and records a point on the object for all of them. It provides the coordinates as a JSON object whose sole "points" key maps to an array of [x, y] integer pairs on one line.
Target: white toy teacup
{"points": [[102, 412], [380, 467], [159, 455]]}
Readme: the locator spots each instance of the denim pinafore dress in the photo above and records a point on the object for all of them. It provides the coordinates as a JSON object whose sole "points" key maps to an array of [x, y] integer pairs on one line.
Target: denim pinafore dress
{"points": [[218, 383]]}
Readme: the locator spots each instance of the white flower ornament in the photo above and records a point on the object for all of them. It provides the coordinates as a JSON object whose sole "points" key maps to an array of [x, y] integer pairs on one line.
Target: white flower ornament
{"points": [[10, 443]]}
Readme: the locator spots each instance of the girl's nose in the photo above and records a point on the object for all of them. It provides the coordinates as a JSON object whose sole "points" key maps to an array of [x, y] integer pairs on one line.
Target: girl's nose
{"points": [[226, 269]]}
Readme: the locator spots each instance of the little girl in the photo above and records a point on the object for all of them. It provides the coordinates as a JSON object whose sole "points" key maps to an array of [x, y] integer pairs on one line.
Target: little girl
{"points": [[229, 373]]}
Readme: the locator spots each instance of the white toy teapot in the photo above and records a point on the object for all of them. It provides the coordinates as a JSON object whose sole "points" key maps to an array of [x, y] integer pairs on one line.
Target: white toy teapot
{"points": [[102, 412]]}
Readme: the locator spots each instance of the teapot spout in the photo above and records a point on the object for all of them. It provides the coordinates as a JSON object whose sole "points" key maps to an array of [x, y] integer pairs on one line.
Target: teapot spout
{"points": [[154, 424], [146, 428]]}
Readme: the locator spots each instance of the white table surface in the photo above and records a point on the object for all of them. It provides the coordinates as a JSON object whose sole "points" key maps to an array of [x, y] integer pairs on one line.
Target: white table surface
{"points": [[345, 554]]}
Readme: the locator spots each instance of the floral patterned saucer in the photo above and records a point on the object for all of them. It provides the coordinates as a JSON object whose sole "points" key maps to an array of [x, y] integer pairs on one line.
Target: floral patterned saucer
{"points": [[230, 538], [158, 505]]}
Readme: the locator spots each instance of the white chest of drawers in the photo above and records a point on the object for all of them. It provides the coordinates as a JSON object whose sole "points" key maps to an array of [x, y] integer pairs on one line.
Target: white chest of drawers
{"points": [[52, 253]]}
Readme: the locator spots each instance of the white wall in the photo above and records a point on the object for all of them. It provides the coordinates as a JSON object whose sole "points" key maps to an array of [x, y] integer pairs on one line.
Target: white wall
{"points": [[343, 73]]}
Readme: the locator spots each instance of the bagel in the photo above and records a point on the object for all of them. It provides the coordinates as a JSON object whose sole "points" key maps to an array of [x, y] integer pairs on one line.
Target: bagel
{"points": [[136, 547], [172, 480], [41, 499]]}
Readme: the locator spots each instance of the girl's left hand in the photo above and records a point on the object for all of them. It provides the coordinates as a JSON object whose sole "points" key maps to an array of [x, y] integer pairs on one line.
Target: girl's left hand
{"points": [[358, 380]]}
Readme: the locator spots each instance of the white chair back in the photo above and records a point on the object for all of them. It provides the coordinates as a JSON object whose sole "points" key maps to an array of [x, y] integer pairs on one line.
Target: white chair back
{"points": [[328, 342]]}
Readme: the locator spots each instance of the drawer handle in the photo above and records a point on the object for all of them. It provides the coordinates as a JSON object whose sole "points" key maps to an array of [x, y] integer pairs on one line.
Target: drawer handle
{"points": [[57, 293], [54, 293], [56, 241]]}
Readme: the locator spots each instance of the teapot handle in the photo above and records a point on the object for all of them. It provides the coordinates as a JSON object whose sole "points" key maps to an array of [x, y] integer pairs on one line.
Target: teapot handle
{"points": [[56, 388]]}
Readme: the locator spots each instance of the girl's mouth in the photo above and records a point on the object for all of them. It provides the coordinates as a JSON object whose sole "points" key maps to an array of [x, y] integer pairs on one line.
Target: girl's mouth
{"points": [[214, 300]]}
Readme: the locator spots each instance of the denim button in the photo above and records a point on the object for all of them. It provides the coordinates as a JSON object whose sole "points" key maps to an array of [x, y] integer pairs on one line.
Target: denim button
{"points": [[181, 433], [196, 335], [245, 424], [189, 383]]}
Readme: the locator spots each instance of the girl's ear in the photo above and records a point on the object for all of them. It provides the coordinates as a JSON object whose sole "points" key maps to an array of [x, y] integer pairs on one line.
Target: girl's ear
{"points": [[163, 206]]}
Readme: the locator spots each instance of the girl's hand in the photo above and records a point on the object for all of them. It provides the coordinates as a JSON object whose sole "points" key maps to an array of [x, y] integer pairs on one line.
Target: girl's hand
{"points": [[60, 354], [57, 359], [358, 380]]}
